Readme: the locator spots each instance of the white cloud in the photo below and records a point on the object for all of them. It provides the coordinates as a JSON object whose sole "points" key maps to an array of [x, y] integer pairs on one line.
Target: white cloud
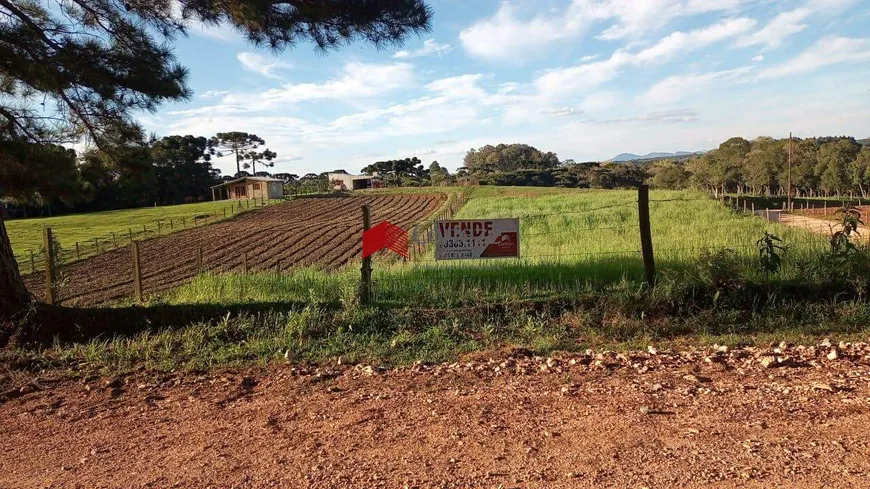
{"points": [[826, 51], [778, 29], [588, 75], [674, 88], [584, 76], [509, 35], [639, 17], [758, 59], [430, 47], [562, 111], [264, 65], [678, 42], [357, 80], [214, 93], [600, 101], [463, 86], [676, 115]]}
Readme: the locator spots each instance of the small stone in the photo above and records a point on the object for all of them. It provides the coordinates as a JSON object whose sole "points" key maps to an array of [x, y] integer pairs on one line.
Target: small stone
{"points": [[652, 350], [644, 410], [691, 378], [340, 360], [768, 361], [288, 356], [821, 386], [826, 343], [833, 354]]}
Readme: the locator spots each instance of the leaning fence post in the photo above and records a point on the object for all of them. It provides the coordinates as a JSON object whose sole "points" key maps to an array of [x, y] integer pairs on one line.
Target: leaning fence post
{"points": [[137, 272], [365, 289], [50, 286], [199, 260], [646, 246]]}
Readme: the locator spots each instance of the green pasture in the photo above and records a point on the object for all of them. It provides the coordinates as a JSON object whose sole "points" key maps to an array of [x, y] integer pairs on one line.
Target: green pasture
{"points": [[571, 240], [26, 235]]}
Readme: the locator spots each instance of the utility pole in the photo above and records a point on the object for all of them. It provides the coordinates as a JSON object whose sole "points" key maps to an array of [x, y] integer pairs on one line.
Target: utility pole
{"points": [[788, 195]]}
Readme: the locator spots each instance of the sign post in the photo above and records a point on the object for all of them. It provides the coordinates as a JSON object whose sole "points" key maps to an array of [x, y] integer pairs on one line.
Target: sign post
{"points": [[477, 238]]}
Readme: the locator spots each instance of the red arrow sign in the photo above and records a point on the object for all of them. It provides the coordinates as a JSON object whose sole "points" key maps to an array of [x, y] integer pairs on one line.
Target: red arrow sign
{"points": [[385, 235]]}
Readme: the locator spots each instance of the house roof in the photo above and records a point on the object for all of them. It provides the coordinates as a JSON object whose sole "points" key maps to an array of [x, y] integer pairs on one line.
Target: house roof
{"points": [[255, 179]]}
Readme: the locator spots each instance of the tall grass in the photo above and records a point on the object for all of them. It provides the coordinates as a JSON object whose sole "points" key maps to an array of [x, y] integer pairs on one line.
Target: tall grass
{"points": [[571, 241]]}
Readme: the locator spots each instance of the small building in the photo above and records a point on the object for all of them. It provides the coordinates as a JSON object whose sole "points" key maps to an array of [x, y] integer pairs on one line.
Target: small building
{"points": [[249, 188], [343, 181]]}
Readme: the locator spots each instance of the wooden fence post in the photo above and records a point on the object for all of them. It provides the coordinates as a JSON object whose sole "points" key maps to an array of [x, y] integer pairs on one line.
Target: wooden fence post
{"points": [[646, 246], [137, 272], [78, 254], [158, 227], [97, 245], [245, 262], [365, 288], [114, 240], [144, 230], [170, 224], [278, 267], [50, 286], [199, 260]]}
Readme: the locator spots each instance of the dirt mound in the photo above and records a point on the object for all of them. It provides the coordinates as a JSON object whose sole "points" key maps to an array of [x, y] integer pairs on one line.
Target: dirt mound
{"points": [[304, 232], [777, 417]]}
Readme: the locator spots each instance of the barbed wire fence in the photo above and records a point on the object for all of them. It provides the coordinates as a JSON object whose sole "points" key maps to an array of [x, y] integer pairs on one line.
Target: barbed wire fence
{"points": [[543, 268]]}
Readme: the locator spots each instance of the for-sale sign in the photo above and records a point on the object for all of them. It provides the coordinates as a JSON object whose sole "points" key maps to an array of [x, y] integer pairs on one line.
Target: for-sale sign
{"points": [[478, 238]]}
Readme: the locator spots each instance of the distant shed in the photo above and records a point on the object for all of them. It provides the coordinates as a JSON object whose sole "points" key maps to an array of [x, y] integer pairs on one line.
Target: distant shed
{"points": [[249, 188], [343, 181]]}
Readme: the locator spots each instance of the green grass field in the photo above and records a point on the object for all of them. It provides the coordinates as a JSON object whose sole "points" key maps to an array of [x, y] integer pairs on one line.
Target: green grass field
{"points": [[26, 235], [578, 285], [571, 241]]}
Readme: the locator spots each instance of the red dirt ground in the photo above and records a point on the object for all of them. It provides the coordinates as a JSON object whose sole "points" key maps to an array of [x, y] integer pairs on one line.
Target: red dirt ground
{"points": [[325, 232], [714, 419]]}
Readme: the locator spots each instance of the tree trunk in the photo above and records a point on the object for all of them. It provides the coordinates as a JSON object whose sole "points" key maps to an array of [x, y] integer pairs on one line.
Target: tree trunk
{"points": [[14, 297]]}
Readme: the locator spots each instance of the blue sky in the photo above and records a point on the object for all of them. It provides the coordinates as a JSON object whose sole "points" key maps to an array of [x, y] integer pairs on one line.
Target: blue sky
{"points": [[585, 78]]}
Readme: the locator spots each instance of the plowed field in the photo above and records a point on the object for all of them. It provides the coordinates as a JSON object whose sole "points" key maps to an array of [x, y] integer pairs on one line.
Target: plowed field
{"points": [[322, 232]]}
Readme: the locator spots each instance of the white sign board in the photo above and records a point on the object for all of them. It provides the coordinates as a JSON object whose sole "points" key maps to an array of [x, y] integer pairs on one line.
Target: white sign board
{"points": [[477, 238]]}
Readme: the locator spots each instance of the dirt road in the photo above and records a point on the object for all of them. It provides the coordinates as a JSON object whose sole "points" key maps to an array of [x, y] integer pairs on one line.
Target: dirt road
{"points": [[812, 224], [741, 418]]}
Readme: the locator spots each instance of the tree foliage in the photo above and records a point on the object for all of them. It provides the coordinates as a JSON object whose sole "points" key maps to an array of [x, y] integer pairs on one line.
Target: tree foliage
{"points": [[264, 158], [507, 158], [82, 67]]}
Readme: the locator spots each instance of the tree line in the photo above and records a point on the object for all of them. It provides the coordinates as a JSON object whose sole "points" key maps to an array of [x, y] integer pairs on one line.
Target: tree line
{"points": [[825, 166], [169, 170]]}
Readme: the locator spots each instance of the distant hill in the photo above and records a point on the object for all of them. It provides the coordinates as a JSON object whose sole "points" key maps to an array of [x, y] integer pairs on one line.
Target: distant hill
{"points": [[623, 157], [865, 141]]}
